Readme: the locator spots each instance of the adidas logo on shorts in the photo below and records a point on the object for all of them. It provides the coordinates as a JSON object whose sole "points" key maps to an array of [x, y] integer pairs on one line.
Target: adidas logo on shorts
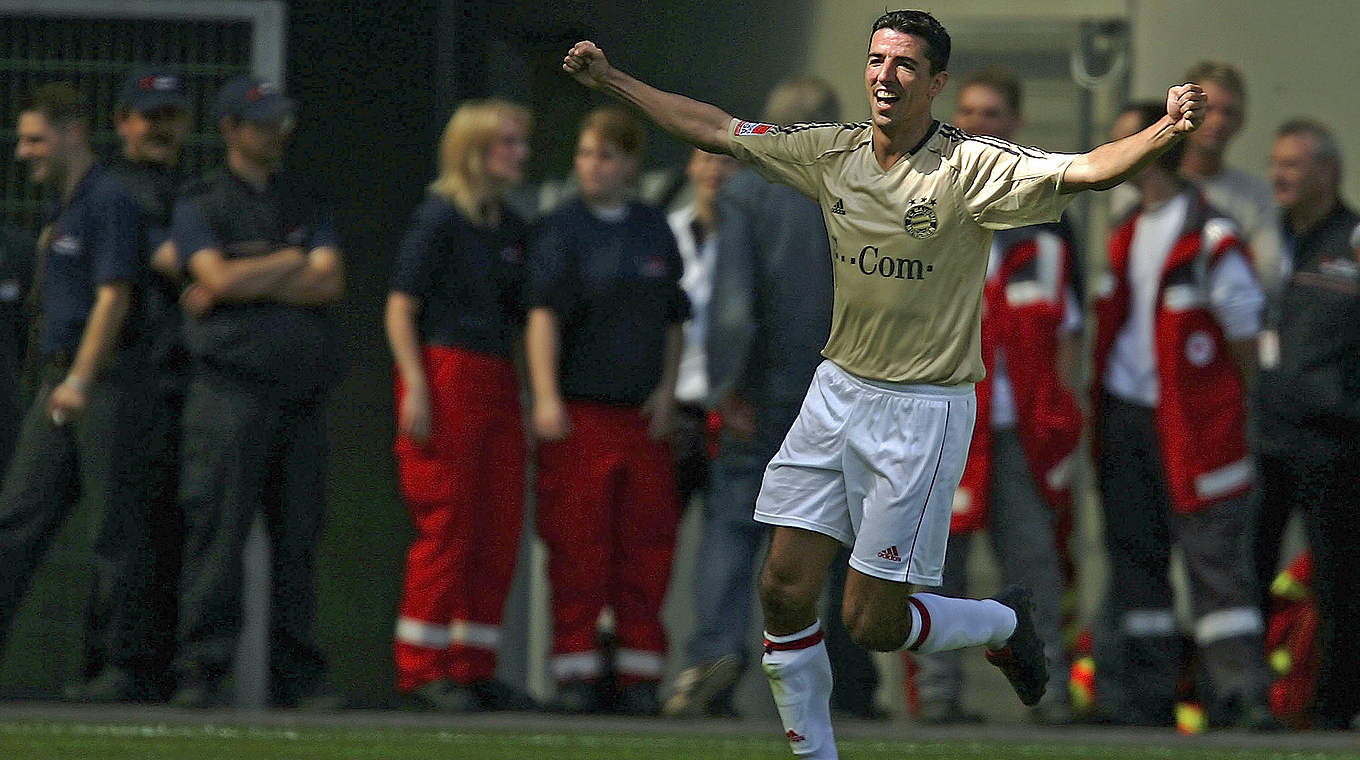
{"points": [[890, 554], [838, 207]]}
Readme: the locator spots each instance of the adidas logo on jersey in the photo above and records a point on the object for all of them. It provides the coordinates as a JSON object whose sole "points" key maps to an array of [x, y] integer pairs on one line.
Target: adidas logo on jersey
{"points": [[890, 554], [838, 207]]}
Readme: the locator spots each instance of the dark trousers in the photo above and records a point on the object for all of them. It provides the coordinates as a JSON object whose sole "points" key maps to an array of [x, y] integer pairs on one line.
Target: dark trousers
{"points": [[249, 450], [691, 452], [1318, 479], [147, 579], [1138, 651], [100, 456]]}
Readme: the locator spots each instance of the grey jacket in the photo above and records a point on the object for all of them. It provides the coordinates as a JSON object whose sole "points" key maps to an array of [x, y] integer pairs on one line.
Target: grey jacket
{"points": [[770, 312]]}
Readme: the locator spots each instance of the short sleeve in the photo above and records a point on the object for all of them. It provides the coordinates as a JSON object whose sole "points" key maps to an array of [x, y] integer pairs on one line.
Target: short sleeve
{"points": [[325, 234], [116, 240], [550, 282], [190, 231], [787, 155], [416, 254], [1007, 186], [1235, 295]]}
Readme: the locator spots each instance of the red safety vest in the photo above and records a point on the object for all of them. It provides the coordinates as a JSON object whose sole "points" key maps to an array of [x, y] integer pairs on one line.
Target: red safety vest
{"points": [[1023, 305], [1200, 413]]}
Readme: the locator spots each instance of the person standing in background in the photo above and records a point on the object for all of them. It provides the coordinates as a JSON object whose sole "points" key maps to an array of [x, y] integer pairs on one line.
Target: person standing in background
{"points": [[1308, 404], [454, 314], [136, 600], [695, 226], [263, 261], [1018, 478], [603, 345]]}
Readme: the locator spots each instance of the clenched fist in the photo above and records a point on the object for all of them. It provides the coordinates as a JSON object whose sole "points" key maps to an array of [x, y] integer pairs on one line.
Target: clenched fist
{"points": [[586, 64], [1185, 105]]}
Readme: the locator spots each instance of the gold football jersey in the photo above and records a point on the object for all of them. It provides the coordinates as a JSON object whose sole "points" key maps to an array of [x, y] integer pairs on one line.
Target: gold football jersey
{"points": [[909, 245]]}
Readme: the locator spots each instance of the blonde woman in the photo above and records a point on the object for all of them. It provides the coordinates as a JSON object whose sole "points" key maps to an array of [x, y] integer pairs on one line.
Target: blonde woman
{"points": [[453, 311]]}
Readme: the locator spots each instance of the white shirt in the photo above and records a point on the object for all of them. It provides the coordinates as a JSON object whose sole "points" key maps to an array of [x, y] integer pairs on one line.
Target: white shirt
{"points": [[691, 386], [1235, 297]]}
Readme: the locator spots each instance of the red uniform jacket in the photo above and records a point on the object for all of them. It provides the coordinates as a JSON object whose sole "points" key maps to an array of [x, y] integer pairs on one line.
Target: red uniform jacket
{"points": [[1023, 305], [1200, 413]]}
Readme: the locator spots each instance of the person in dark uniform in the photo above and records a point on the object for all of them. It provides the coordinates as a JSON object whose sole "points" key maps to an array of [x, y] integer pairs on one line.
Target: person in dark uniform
{"points": [[1308, 400], [453, 315], [84, 432], [152, 120], [603, 344], [16, 271], [263, 262]]}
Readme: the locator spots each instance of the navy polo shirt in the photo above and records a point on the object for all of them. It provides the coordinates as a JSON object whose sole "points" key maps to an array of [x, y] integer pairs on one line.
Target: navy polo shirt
{"points": [[615, 288], [283, 345], [97, 238], [468, 278]]}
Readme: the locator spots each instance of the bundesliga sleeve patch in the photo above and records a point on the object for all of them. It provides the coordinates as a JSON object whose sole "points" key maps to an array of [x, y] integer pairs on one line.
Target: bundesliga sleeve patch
{"points": [[752, 128]]}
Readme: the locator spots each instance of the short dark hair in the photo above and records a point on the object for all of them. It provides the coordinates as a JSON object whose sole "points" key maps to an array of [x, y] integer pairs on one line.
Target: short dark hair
{"points": [[59, 102], [1000, 81], [922, 25], [1149, 112]]}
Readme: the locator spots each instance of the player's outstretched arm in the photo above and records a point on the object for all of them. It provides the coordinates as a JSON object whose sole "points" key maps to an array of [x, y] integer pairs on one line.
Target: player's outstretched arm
{"points": [[700, 124], [1112, 163]]}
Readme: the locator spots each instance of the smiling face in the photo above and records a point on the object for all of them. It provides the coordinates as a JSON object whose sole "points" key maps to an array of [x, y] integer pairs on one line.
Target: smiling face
{"points": [[154, 136], [43, 147], [899, 80]]}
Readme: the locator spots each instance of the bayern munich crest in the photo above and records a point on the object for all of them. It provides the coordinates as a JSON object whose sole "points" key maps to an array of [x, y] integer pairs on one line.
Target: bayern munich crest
{"points": [[921, 220]]}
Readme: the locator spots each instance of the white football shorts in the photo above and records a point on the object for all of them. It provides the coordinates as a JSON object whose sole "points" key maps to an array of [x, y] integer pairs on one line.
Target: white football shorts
{"points": [[875, 466]]}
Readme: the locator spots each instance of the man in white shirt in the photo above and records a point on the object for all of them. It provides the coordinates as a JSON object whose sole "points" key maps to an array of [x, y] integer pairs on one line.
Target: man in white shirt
{"points": [[695, 225]]}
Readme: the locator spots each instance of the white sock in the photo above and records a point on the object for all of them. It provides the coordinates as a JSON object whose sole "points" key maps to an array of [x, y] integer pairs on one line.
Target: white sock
{"points": [[800, 680], [940, 623]]}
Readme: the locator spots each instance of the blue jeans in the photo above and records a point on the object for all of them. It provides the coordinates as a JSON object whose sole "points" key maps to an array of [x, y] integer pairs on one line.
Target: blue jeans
{"points": [[724, 579]]}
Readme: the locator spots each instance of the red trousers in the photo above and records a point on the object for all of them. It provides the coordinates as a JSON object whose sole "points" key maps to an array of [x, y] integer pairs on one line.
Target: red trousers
{"points": [[607, 510], [465, 492]]}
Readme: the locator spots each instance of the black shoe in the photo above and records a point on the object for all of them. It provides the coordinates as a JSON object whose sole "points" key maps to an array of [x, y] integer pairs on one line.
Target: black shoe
{"points": [[577, 696], [698, 686], [198, 694], [948, 712], [112, 685], [1022, 659], [638, 699], [494, 695], [443, 696]]}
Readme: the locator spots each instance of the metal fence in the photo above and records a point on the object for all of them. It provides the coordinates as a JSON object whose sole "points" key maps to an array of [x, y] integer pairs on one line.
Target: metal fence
{"points": [[94, 44]]}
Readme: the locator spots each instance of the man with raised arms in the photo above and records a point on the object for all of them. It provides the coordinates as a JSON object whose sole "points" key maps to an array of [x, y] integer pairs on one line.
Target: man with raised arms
{"points": [[880, 442]]}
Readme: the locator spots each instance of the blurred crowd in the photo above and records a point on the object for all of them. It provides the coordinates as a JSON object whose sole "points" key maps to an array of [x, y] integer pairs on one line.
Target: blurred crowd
{"points": [[168, 352]]}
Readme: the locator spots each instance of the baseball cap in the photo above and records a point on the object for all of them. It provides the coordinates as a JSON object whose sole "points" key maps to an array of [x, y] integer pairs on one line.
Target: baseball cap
{"points": [[147, 88], [254, 99]]}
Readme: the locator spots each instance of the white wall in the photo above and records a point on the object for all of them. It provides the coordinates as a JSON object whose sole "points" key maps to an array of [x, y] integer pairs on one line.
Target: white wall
{"points": [[1298, 59]]}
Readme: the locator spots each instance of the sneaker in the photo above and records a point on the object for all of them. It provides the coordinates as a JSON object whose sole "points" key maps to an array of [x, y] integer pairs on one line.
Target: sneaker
{"points": [[947, 712], [494, 695], [696, 687], [442, 696], [638, 699], [1022, 659]]}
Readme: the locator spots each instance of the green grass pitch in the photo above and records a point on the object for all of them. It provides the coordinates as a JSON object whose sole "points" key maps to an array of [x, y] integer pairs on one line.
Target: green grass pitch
{"points": [[67, 740]]}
